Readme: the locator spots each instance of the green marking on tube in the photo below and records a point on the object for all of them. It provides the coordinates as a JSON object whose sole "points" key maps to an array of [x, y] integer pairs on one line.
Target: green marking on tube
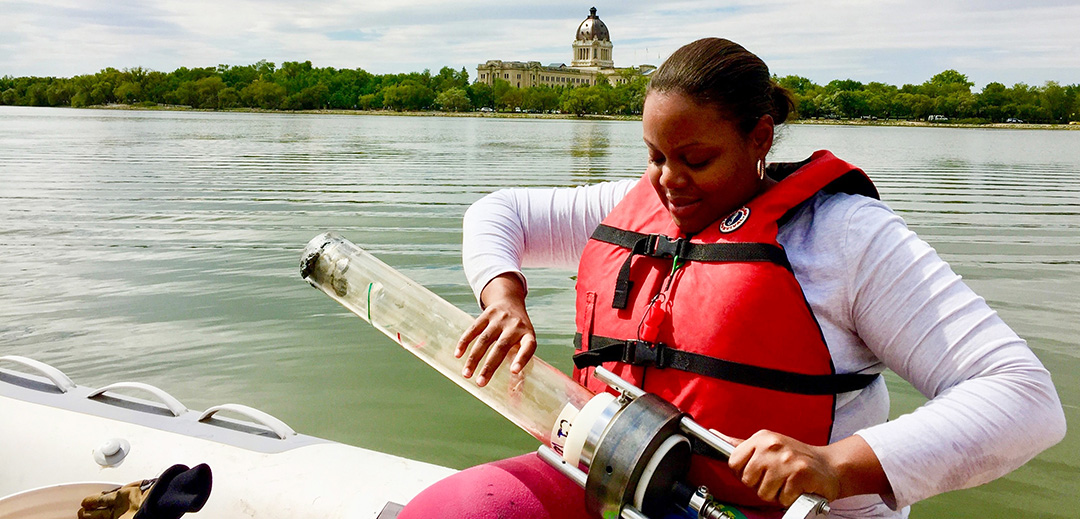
{"points": [[369, 302]]}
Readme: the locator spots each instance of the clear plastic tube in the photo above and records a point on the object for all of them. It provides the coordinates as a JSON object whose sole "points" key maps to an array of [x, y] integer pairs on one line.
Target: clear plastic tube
{"points": [[541, 399]]}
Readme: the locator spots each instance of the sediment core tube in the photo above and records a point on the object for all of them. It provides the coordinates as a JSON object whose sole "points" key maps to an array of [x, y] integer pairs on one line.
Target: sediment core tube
{"points": [[541, 399]]}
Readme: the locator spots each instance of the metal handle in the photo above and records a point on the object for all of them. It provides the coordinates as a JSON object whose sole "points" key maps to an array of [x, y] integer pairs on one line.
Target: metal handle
{"points": [[689, 426], [57, 377], [558, 463], [174, 405], [279, 428], [616, 382]]}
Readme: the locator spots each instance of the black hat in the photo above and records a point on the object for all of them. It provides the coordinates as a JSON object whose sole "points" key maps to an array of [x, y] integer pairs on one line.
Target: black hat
{"points": [[178, 490]]}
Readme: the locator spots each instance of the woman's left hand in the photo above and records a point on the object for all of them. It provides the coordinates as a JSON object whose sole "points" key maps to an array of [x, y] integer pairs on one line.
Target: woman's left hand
{"points": [[781, 468]]}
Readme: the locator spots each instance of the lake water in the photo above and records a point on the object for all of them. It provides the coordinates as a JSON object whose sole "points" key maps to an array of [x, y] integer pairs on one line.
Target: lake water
{"points": [[163, 247]]}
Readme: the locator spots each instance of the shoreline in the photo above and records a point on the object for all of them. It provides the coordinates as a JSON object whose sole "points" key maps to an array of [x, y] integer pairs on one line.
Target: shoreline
{"points": [[593, 117]]}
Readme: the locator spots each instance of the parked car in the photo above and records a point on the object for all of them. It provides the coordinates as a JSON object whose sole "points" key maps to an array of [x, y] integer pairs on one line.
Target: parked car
{"points": [[937, 118], [1014, 120]]}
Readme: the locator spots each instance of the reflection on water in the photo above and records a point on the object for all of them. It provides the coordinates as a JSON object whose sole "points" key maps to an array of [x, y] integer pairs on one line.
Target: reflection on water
{"points": [[163, 247], [590, 139]]}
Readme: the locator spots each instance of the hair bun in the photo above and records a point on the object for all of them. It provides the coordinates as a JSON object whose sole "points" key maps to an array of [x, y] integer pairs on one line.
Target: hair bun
{"points": [[783, 103]]}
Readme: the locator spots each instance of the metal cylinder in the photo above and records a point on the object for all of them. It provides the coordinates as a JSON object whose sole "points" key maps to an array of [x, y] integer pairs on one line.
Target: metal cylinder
{"points": [[634, 436]]}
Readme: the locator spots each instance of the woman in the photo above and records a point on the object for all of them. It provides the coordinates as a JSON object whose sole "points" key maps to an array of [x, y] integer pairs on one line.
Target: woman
{"points": [[792, 278]]}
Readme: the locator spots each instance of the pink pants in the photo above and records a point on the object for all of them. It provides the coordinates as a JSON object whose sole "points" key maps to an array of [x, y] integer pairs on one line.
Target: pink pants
{"points": [[524, 487]]}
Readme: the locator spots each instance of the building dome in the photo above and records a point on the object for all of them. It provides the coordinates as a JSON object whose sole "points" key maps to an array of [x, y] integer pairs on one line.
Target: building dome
{"points": [[592, 29]]}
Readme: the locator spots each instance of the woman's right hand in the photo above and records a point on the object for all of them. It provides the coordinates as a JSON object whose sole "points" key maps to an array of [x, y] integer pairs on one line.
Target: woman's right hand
{"points": [[503, 325]]}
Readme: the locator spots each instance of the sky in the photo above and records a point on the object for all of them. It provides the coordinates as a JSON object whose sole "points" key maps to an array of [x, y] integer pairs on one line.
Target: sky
{"points": [[891, 41]]}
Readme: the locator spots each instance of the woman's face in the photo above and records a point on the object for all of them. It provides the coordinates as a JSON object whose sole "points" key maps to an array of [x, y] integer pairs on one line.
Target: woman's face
{"points": [[701, 165]]}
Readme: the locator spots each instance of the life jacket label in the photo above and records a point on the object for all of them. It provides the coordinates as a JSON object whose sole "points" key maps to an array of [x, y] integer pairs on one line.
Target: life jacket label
{"points": [[735, 220]]}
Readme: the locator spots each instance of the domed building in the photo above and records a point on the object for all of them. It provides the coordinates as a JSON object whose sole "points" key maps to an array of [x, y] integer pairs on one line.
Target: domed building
{"points": [[592, 44], [591, 60]]}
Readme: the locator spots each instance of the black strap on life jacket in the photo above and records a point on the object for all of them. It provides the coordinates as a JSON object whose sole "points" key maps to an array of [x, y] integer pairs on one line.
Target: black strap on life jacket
{"points": [[641, 353], [661, 246]]}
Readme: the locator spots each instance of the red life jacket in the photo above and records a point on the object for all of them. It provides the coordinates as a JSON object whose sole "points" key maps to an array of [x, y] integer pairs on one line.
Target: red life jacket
{"points": [[730, 339]]}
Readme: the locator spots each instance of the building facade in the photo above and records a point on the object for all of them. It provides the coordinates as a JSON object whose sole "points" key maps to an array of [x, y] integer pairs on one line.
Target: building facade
{"points": [[592, 59]]}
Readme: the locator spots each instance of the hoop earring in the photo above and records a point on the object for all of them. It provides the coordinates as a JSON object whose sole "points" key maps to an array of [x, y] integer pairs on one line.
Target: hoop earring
{"points": [[761, 169]]}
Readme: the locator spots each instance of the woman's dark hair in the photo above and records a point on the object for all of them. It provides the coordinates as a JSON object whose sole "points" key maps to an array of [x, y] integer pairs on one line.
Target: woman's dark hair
{"points": [[721, 73]]}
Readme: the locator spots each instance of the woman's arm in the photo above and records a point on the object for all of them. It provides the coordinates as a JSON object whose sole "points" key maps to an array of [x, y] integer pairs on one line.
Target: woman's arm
{"points": [[992, 404], [512, 228], [992, 408]]}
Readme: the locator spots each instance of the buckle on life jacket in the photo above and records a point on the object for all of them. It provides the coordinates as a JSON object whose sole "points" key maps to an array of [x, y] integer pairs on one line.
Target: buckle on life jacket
{"points": [[642, 353], [661, 246], [653, 246]]}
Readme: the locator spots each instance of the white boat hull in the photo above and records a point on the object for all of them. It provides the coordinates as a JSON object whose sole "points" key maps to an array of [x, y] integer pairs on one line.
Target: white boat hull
{"points": [[49, 437]]}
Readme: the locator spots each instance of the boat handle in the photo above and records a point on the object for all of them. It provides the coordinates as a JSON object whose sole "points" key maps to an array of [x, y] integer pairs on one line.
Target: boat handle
{"points": [[281, 429], [174, 405], [58, 378]]}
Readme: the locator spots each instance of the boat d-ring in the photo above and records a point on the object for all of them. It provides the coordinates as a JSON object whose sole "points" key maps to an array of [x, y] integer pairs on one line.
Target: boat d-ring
{"points": [[57, 377], [276, 426], [171, 403]]}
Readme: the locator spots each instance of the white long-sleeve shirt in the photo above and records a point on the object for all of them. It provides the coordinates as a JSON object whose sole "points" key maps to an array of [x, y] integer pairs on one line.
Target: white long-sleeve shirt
{"points": [[883, 299]]}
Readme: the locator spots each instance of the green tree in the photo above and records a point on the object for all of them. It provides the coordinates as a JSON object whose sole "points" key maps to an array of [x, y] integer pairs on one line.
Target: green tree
{"points": [[843, 85], [990, 103], [409, 95], [950, 80], [238, 77], [263, 94], [59, 93], [206, 92], [228, 97], [295, 76], [540, 99], [848, 104], [797, 84], [806, 106], [101, 93], [510, 99], [309, 98], [629, 97], [448, 78], [370, 101], [907, 105], [498, 91], [453, 100], [1056, 100], [128, 92], [584, 100], [879, 98], [481, 94]]}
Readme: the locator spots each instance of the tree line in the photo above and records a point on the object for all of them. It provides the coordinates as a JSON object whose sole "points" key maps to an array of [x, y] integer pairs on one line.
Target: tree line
{"points": [[946, 96], [301, 86]]}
